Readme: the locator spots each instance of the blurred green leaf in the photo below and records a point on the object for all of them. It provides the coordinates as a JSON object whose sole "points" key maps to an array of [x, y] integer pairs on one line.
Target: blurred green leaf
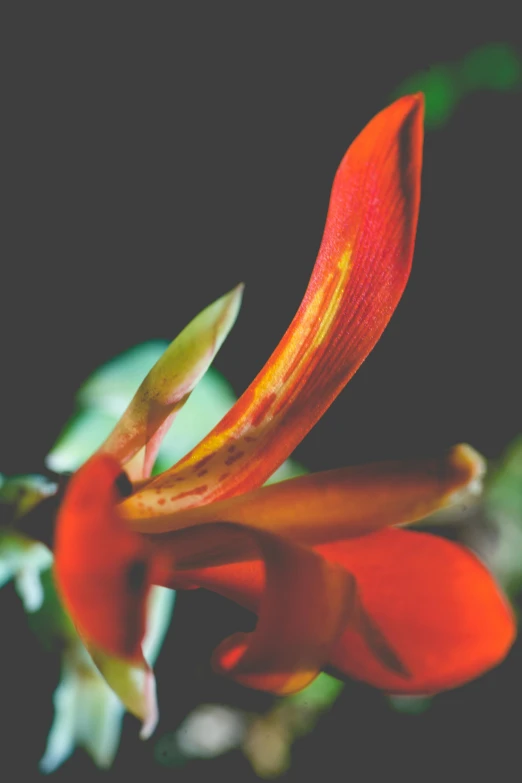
{"points": [[51, 623], [440, 87], [19, 494], [504, 494], [495, 66], [320, 694]]}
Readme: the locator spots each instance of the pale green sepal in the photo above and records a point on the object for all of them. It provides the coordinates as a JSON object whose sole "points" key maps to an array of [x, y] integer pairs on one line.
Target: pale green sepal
{"points": [[171, 380], [134, 683]]}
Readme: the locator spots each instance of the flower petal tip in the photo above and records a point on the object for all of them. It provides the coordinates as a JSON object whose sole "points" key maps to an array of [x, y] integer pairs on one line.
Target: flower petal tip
{"points": [[151, 717], [416, 98], [239, 289], [402, 109], [231, 301], [414, 102], [470, 468]]}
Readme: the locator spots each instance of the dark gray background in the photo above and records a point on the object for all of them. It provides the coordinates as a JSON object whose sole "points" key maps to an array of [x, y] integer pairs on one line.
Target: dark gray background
{"points": [[151, 159]]}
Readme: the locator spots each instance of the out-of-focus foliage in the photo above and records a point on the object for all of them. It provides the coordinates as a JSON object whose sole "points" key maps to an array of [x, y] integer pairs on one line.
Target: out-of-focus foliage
{"points": [[496, 66], [88, 713], [269, 737], [499, 540], [266, 739], [22, 559]]}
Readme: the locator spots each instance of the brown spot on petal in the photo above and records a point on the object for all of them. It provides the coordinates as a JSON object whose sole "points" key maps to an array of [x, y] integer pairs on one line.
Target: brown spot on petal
{"points": [[224, 476], [201, 463], [202, 472], [161, 501], [234, 458], [196, 491]]}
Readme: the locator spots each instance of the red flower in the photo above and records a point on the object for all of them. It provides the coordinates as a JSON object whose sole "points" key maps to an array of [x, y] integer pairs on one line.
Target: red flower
{"points": [[317, 557]]}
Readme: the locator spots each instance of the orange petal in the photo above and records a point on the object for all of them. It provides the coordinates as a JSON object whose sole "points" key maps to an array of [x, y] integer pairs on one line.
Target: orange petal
{"points": [[101, 569], [361, 271], [315, 508], [436, 605]]}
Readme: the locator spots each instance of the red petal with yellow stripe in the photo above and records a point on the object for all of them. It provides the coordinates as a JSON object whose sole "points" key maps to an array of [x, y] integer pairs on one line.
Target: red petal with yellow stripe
{"points": [[362, 268]]}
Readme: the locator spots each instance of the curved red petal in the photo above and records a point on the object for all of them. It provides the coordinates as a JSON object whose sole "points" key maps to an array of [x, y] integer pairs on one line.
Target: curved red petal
{"points": [[304, 606], [102, 572], [434, 602], [362, 268]]}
